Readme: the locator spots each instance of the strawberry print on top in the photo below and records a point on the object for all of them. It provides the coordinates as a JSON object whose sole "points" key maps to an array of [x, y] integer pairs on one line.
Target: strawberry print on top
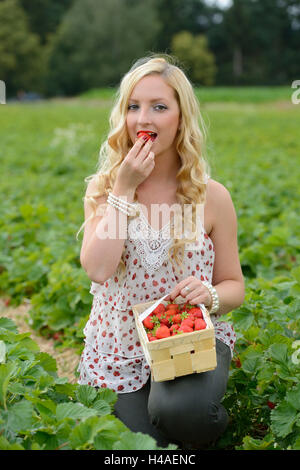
{"points": [[113, 356]]}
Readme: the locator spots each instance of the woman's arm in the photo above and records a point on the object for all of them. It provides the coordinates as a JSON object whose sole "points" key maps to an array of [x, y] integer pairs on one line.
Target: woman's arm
{"points": [[227, 273], [104, 236], [227, 278]]}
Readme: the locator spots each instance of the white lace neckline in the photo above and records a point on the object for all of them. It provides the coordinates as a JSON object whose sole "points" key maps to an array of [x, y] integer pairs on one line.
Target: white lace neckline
{"points": [[141, 213], [166, 226]]}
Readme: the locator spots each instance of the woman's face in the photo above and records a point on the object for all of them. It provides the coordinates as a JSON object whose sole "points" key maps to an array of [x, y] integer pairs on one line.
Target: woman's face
{"points": [[152, 106]]}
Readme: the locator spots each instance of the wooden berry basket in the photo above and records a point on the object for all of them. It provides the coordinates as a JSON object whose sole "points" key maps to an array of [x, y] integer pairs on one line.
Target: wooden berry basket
{"points": [[178, 355]]}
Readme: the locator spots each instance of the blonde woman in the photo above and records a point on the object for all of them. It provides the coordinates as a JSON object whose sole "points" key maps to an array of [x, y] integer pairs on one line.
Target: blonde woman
{"points": [[138, 245]]}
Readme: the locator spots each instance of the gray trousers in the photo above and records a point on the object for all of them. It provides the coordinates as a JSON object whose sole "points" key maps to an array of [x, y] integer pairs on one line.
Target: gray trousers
{"points": [[185, 411]]}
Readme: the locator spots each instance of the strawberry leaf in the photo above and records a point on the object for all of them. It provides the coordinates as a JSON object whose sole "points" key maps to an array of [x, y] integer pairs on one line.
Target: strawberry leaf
{"points": [[283, 418]]}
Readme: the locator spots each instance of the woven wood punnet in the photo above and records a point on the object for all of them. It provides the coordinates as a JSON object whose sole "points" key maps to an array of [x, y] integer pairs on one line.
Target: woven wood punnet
{"points": [[178, 355]]}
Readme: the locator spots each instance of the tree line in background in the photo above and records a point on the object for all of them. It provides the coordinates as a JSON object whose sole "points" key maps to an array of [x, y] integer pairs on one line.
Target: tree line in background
{"points": [[65, 47]]}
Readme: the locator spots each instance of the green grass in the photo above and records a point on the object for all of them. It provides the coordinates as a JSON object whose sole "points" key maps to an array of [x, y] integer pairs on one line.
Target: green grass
{"points": [[217, 94], [48, 148], [99, 93], [243, 94]]}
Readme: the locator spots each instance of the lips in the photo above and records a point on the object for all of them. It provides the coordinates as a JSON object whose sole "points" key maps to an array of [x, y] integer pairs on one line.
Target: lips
{"points": [[150, 134]]}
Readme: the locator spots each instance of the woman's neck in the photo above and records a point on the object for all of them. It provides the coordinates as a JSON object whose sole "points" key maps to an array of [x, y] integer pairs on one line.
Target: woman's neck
{"points": [[164, 173]]}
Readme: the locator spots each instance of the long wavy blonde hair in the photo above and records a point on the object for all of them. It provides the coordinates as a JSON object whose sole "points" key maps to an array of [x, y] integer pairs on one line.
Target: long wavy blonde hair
{"points": [[190, 145]]}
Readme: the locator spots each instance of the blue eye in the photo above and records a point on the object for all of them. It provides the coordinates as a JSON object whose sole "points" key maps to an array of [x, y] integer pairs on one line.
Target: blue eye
{"points": [[131, 105], [160, 107]]}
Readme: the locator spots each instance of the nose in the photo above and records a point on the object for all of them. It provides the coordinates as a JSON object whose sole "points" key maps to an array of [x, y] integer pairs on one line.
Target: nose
{"points": [[144, 117]]}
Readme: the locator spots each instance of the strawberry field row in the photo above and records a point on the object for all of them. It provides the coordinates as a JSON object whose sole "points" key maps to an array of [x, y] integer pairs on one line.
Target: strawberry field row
{"points": [[41, 411], [254, 152]]}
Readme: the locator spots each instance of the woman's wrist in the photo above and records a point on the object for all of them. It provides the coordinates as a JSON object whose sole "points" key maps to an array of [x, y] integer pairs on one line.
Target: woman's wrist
{"points": [[124, 192], [122, 198], [215, 302]]}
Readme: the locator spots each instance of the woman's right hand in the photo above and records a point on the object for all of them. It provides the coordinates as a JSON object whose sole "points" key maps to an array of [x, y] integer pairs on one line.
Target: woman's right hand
{"points": [[137, 165]]}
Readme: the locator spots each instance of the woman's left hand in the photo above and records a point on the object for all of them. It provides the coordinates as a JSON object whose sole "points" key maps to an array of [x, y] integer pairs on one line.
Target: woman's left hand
{"points": [[196, 293]]}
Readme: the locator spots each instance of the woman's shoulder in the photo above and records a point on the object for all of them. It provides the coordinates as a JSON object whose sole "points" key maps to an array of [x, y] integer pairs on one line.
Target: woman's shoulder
{"points": [[216, 191], [95, 187], [219, 205]]}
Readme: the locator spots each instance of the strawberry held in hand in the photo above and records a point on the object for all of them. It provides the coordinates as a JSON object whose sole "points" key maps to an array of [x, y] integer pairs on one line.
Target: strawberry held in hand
{"points": [[147, 134]]}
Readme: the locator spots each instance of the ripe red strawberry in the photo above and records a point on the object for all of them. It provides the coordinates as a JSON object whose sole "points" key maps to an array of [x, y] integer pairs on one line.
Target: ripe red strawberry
{"points": [[162, 332], [148, 134], [143, 133], [197, 312], [271, 405], [160, 315], [174, 328], [185, 307], [165, 321], [172, 306], [148, 323], [191, 317], [170, 317], [177, 318], [200, 324], [159, 309], [57, 336], [185, 329], [171, 311], [238, 363], [188, 322]]}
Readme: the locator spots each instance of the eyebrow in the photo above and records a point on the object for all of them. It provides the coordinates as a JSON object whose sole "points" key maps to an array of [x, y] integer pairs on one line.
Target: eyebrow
{"points": [[151, 101]]}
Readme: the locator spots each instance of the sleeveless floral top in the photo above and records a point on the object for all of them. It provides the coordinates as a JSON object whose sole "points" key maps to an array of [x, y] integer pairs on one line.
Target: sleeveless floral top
{"points": [[113, 356]]}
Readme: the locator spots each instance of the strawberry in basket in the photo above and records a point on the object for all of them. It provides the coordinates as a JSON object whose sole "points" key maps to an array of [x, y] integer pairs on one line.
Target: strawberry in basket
{"points": [[173, 319]]}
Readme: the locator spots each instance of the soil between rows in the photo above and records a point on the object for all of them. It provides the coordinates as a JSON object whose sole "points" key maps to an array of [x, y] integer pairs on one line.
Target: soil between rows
{"points": [[67, 359]]}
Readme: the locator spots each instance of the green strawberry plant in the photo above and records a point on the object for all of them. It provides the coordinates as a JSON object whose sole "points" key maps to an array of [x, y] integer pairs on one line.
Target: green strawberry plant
{"points": [[255, 154], [41, 411], [263, 389]]}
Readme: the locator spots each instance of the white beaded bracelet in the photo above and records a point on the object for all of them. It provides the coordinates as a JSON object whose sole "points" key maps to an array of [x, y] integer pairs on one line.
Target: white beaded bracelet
{"points": [[214, 295], [121, 201], [118, 204], [121, 209], [122, 206]]}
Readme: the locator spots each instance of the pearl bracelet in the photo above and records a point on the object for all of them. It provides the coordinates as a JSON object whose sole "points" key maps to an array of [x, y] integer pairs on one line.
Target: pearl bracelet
{"points": [[121, 209], [214, 295], [121, 201], [123, 206]]}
